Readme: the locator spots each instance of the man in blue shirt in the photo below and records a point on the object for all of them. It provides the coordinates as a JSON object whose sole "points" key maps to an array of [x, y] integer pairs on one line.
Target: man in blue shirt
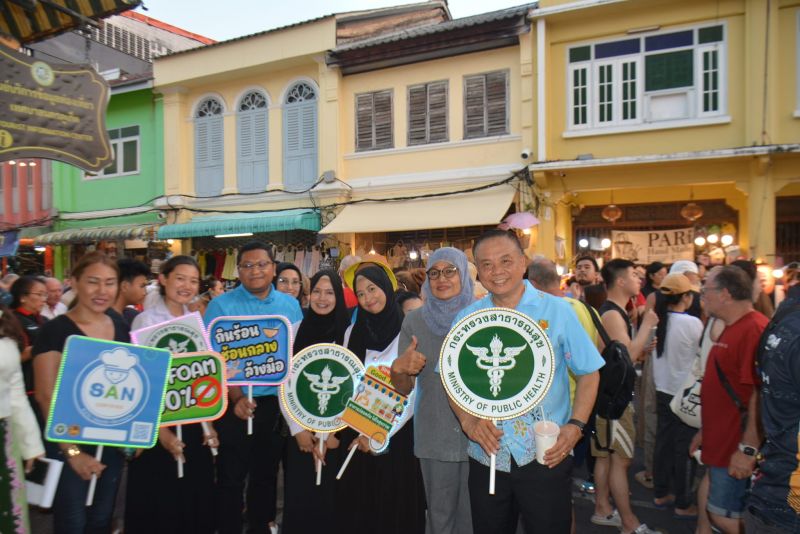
{"points": [[254, 457], [541, 494]]}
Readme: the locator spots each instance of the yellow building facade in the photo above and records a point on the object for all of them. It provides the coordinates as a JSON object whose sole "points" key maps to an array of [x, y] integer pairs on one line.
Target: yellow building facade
{"points": [[428, 135]]}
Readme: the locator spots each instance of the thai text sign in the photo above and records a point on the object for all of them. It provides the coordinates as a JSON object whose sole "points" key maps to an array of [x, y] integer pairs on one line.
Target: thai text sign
{"points": [[53, 111], [322, 379], [256, 349], [666, 246], [108, 393], [180, 335], [377, 407], [195, 389], [497, 363]]}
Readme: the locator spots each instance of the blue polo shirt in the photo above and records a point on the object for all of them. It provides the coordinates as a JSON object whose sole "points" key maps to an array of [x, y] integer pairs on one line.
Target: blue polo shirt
{"points": [[240, 302], [573, 349]]}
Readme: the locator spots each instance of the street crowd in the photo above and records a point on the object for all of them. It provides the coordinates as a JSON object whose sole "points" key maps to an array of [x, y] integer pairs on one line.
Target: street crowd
{"points": [[718, 393]]}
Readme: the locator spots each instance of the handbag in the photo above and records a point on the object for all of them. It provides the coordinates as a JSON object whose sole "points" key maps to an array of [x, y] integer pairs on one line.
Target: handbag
{"points": [[685, 404]]}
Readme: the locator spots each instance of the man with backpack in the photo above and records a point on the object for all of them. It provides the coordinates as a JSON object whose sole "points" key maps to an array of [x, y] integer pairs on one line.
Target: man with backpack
{"points": [[774, 504], [613, 446]]}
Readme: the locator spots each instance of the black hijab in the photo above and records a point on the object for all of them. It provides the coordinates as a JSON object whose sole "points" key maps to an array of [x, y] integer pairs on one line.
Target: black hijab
{"points": [[329, 328], [375, 331]]}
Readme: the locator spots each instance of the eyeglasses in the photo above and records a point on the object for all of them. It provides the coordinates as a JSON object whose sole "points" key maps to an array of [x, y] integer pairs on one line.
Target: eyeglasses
{"points": [[448, 272], [261, 265], [40, 295], [794, 265], [287, 282]]}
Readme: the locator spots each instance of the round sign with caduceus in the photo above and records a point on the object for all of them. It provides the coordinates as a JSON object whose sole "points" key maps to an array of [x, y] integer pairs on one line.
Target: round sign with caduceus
{"points": [[321, 379], [497, 363]]}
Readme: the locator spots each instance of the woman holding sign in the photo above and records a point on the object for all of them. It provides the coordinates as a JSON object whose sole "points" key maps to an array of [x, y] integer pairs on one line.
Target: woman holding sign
{"points": [[380, 492], [94, 281], [439, 442], [157, 498], [308, 507]]}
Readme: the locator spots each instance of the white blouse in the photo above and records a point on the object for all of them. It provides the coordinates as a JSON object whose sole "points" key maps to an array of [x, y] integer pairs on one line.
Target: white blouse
{"points": [[14, 402]]}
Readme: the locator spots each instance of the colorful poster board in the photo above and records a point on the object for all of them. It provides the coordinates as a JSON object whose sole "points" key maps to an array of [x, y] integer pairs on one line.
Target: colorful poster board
{"points": [[180, 335], [196, 389], [377, 407], [322, 379], [256, 349], [108, 393], [497, 363]]}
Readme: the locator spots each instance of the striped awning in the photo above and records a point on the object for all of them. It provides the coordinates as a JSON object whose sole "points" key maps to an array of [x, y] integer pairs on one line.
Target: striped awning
{"points": [[106, 233], [33, 20], [236, 223]]}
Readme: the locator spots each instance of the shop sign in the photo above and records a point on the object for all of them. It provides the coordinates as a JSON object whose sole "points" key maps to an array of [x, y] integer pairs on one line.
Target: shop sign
{"points": [[666, 246], [497, 363], [108, 393], [9, 242], [322, 379], [256, 349], [53, 111]]}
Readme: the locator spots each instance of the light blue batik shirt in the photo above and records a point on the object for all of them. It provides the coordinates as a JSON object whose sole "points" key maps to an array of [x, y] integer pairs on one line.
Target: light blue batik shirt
{"points": [[572, 348], [240, 302]]}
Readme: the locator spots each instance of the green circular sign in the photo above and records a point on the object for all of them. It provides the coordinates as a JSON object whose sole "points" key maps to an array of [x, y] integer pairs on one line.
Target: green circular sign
{"points": [[497, 363], [176, 343], [322, 378]]}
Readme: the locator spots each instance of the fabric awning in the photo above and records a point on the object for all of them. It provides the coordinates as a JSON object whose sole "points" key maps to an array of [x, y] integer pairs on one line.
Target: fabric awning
{"points": [[34, 20], [238, 223], [467, 209], [105, 233]]}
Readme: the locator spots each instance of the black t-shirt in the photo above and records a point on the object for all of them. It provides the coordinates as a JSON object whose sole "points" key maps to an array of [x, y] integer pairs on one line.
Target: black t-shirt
{"points": [[127, 317], [53, 335]]}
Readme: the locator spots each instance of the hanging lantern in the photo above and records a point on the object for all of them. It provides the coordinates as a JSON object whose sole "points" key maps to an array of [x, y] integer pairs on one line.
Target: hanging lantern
{"points": [[691, 211], [611, 213]]}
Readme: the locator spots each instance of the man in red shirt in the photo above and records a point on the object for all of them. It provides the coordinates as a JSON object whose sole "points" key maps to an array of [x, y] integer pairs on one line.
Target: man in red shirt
{"points": [[727, 450]]}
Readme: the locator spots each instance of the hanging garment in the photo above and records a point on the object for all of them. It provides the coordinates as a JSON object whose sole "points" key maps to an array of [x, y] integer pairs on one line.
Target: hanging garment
{"points": [[219, 257], [228, 271], [201, 262]]}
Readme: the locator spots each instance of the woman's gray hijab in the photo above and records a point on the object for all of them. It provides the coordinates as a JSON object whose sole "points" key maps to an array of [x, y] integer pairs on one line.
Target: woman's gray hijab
{"points": [[438, 313]]}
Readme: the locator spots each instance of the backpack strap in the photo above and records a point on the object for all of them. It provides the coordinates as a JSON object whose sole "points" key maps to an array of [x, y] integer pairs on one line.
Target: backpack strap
{"points": [[598, 324], [727, 385]]}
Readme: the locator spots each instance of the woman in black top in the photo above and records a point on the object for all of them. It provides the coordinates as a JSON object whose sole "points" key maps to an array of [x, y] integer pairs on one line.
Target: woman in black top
{"points": [[380, 492], [28, 296], [308, 507], [94, 281]]}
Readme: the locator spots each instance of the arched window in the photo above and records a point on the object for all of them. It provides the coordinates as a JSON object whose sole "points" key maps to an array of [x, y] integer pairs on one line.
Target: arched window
{"points": [[300, 137], [209, 148], [252, 130]]}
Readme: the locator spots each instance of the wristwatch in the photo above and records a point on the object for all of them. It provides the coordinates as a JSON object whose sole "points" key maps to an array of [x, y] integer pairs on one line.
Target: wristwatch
{"points": [[748, 450], [72, 451], [580, 424]]}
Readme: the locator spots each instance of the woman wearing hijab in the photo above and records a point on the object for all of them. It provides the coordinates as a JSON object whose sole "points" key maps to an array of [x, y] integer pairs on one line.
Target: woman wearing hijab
{"points": [[385, 487], [308, 507], [439, 442], [288, 279]]}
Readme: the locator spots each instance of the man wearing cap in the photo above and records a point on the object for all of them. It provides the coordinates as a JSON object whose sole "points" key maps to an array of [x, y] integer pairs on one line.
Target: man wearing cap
{"points": [[241, 457], [540, 493]]}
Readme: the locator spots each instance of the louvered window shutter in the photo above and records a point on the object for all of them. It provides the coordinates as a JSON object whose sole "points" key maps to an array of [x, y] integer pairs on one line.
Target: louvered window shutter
{"points": [[486, 105], [497, 103], [300, 145], [364, 122], [437, 112], [417, 115], [383, 120], [474, 110], [374, 121], [252, 150], [209, 150]]}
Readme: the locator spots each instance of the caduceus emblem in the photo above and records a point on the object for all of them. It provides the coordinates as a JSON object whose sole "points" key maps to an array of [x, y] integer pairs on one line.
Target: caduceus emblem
{"points": [[325, 385], [497, 363]]}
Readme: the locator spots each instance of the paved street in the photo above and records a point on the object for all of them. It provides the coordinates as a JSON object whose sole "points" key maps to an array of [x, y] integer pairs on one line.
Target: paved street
{"points": [[641, 499]]}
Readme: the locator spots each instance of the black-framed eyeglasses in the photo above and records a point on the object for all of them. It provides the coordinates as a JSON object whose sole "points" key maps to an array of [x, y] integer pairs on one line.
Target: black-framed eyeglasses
{"points": [[448, 272], [261, 265]]}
